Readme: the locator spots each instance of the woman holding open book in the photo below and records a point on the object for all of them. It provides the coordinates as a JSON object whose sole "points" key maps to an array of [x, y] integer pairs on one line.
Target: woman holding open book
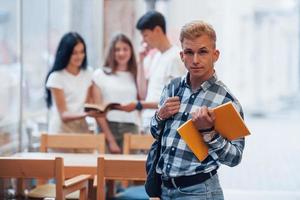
{"points": [[68, 87], [116, 83]]}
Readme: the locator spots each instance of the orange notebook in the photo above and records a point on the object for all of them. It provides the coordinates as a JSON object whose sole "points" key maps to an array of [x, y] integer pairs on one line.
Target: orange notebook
{"points": [[228, 123]]}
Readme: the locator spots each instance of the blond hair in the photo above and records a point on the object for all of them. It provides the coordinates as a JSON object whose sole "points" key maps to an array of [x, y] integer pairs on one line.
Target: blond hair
{"points": [[195, 29]]}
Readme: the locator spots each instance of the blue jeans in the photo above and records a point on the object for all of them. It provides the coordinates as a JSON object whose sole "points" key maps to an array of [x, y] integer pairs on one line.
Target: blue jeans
{"points": [[208, 190]]}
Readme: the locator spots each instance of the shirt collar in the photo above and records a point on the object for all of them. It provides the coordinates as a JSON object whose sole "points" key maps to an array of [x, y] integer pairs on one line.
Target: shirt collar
{"points": [[205, 85]]}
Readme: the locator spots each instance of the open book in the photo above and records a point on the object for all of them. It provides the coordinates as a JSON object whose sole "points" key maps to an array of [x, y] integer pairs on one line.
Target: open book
{"points": [[102, 108], [229, 124]]}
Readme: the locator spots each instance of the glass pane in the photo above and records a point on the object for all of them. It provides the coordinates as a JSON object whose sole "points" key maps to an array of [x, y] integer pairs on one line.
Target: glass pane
{"points": [[35, 66], [9, 76], [45, 22]]}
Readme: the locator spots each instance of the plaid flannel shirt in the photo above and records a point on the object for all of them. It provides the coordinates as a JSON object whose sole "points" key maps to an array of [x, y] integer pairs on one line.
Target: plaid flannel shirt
{"points": [[176, 158]]}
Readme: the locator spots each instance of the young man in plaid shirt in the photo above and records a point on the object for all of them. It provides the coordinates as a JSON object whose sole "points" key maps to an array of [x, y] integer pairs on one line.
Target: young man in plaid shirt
{"points": [[183, 175]]}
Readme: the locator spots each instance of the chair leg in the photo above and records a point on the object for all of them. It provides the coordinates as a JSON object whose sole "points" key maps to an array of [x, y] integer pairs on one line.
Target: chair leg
{"points": [[20, 187], [111, 188], [92, 191], [60, 195], [83, 194]]}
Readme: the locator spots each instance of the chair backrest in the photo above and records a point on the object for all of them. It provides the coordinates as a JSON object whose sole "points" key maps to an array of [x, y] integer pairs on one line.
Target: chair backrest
{"points": [[118, 169], [73, 141], [15, 167], [136, 142]]}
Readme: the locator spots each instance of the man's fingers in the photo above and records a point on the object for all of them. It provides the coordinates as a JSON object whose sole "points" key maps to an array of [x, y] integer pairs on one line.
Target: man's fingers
{"points": [[173, 108], [204, 110], [171, 104], [205, 114], [207, 118], [200, 112], [193, 116], [212, 114], [172, 99]]}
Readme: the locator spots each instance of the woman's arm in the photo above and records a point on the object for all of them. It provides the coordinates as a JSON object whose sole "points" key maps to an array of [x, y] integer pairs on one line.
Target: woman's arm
{"points": [[102, 122], [59, 100], [110, 138], [89, 97]]}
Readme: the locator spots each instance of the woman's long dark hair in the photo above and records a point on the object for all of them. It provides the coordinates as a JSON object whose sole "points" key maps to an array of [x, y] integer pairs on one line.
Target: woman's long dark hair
{"points": [[110, 60], [63, 55]]}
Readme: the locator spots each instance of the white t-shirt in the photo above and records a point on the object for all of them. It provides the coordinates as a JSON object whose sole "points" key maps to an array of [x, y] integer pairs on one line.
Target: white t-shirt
{"points": [[164, 67], [117, 88], [75, 89]]}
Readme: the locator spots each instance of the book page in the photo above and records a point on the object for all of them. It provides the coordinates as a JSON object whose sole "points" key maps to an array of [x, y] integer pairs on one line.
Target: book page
{"points": [[101, 107]]}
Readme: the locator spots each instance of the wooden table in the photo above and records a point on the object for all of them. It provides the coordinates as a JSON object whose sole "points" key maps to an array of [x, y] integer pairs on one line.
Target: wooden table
{"points": [[86, 163], [82, 163]]}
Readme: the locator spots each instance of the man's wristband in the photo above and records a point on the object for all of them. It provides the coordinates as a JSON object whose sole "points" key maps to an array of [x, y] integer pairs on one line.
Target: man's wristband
{"points": [[139, 106], [158, 119], [207, 130]]}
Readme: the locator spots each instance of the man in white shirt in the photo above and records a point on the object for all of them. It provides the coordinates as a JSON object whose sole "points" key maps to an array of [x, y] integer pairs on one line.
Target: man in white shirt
{"points": [[166, 64]]}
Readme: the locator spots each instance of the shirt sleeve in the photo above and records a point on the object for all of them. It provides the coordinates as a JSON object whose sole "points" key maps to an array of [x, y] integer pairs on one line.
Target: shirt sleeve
{"points": [[157, 126], [54, 81], [98, 77], [229, 152]]}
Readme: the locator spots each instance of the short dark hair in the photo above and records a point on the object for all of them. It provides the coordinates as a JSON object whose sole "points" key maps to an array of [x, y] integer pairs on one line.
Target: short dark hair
{"points": [[150, 20]]}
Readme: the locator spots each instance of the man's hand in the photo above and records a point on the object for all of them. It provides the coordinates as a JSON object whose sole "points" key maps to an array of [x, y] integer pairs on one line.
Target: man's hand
{"points": [[170, 107], [144, 51], [203, 118]]}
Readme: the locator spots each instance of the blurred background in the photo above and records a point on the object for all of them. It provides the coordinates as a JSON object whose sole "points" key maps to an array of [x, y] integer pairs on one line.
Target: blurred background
{"points": [[259, 42]]}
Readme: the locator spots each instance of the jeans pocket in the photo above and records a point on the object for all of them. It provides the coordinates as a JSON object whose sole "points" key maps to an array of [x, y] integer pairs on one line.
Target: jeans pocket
{"points": [[198, 189]]}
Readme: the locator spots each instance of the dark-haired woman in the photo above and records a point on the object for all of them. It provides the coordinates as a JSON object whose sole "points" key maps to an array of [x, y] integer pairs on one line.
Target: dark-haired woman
{"points": [[68, 87], [116, 82]]}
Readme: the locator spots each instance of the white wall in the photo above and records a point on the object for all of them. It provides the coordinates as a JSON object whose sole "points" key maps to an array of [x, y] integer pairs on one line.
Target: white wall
{"points": [[258, 41]]}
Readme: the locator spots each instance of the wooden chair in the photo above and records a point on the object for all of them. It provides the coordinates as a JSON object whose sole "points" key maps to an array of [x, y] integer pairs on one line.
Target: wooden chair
{"points": [[110, 169], [73, 141], [44, 168], [134, 142], [131, 144], [66, 141]]}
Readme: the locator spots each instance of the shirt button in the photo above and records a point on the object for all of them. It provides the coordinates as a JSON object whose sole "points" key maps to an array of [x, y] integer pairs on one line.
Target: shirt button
{"points": [[173, 149], [185, 113], [168, 166], [192, 96]]}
